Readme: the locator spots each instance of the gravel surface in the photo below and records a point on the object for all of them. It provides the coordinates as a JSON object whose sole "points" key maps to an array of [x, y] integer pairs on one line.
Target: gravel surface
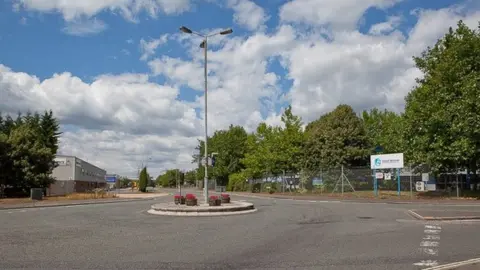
{"points": [[283, 234]]}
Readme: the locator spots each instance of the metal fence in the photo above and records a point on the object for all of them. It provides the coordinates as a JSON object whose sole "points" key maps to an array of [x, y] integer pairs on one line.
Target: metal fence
{"points": [[348, 179]]}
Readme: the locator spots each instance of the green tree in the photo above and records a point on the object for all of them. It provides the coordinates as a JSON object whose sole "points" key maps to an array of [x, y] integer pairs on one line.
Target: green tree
{"points": [[336, 138], [143, 180], [31, 158], [262, 155], [442, 114], [384, 128], [191, 177], [230, 147], [290, 143]]}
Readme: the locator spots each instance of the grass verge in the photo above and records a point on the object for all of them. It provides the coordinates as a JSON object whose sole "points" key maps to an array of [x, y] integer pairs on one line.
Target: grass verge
{"points": [[69, 197]]}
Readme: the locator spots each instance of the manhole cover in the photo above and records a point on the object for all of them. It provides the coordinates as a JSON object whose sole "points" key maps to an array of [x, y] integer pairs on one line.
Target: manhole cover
{"points": [[364, 217]]}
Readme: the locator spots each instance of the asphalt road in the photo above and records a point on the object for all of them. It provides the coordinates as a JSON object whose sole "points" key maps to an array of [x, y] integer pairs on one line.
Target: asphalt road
{"points": [[283, 234]]}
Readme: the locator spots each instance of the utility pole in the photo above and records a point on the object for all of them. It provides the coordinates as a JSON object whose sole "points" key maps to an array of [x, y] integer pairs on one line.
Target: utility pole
{"points": [[204, 46]]}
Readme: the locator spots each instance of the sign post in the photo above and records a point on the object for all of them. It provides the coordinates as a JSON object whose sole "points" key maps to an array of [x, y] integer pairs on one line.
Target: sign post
{"points": [[386, 161], [112, 179]]}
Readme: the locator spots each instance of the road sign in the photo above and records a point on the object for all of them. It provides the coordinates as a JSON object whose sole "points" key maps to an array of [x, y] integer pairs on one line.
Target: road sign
{"points": [[388, 176], [387, 161], [111, 179], [379, 175]]}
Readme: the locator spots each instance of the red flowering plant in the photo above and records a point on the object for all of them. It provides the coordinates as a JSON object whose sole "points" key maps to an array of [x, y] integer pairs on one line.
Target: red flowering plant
{"points": [[225, 198], [190, 199], [214, 201], [179, 199]]}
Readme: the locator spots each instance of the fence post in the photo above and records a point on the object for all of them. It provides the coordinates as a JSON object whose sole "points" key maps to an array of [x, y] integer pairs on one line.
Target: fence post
{"points": [[375, 188], [411, 191], [398, 181]]}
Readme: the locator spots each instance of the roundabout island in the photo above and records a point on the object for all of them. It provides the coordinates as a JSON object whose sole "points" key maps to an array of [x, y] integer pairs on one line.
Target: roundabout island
{"points": [[189, 206]]}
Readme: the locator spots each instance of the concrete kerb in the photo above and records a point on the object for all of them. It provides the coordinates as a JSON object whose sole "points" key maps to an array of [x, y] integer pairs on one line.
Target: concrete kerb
{"points": [[420, 217], [455, 265], [233, 208]]}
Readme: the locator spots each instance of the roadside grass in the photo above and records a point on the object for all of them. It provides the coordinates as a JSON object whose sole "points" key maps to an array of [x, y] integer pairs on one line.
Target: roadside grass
{"points": [[69, 197], [384, 194]]}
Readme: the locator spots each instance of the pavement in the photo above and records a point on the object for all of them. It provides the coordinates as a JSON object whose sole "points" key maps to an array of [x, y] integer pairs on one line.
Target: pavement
{"points": [[282, 234], [392, 200], [447, 214]]}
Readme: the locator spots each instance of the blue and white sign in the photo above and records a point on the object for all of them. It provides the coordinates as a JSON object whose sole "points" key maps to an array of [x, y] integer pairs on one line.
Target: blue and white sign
{"points": [[387, 161], [111, 178]]}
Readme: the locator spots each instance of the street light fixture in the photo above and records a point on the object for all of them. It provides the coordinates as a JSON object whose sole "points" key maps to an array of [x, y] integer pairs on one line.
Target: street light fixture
{"points": [[204, 46]]}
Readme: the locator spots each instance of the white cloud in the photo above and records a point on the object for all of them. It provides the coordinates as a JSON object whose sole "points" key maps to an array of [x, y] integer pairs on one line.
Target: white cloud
{"points": [[114, 114], [117, 120], [85, 27], [248, 14], [72, 10], [148, 47], [385, 27], [363, 70], [337, 13]]}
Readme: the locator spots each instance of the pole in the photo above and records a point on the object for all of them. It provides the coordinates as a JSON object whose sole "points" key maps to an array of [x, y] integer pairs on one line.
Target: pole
{"points": [[411, 191], [375, 188], [398, 181], [342, 180], [456, 174], [206, 130]]}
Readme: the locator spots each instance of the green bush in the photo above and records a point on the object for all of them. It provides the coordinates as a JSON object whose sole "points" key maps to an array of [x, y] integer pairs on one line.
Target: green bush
{"points": [[236, 182], [256, 188]]}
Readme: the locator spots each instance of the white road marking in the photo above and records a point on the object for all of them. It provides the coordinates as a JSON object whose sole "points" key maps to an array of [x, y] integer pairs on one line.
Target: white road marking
{"points": [[312, 201], [426, 263], [429, 244], [430, 247], [431, 237]]}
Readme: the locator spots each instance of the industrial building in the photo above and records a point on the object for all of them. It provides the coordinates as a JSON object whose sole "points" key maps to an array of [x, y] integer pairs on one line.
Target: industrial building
{"points": [[73, 174]]}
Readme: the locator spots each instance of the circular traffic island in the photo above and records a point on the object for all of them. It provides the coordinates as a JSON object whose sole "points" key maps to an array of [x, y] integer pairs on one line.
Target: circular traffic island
{"points": [[231, 208]]}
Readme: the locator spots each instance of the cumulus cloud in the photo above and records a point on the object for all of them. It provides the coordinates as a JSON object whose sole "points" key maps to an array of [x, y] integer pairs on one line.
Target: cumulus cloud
{"points": [[339, 14], [72, 10], [248, 14], [148, 47], [85, 27]]}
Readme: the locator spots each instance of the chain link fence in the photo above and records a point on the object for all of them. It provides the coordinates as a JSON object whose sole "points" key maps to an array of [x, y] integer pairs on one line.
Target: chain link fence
{"points": [[361, 180]]}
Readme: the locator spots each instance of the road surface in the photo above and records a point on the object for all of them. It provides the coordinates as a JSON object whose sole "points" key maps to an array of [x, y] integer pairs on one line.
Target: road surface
{"points": [[283, 234]]}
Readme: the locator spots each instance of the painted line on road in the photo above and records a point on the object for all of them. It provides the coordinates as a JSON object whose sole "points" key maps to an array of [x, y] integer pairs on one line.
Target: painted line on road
{"points": [[429, 245], [455, 264]]}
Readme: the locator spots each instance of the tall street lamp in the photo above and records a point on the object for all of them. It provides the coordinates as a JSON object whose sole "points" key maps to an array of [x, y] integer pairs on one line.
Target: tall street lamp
{"points": [[204, 46]]}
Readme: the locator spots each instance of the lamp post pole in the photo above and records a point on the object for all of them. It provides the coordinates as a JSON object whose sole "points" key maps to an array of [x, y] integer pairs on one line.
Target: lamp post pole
{"points": [[205, 49]]}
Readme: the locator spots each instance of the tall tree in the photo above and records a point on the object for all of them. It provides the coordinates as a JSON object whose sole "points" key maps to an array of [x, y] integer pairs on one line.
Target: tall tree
{"points": [[291, 142], [336, 138], [384, 128], [143, 180], [229, 147], [31, 158], [261, 157], [442, 114], [50, 129]]}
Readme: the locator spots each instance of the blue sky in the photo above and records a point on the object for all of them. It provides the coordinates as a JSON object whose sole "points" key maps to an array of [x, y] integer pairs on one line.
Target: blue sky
{"points": [[36, 43], [129, 82]]}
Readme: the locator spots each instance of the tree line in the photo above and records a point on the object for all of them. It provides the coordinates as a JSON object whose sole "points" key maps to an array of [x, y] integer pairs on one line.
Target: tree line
{"points": [[439, 128], [28, 145]]}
